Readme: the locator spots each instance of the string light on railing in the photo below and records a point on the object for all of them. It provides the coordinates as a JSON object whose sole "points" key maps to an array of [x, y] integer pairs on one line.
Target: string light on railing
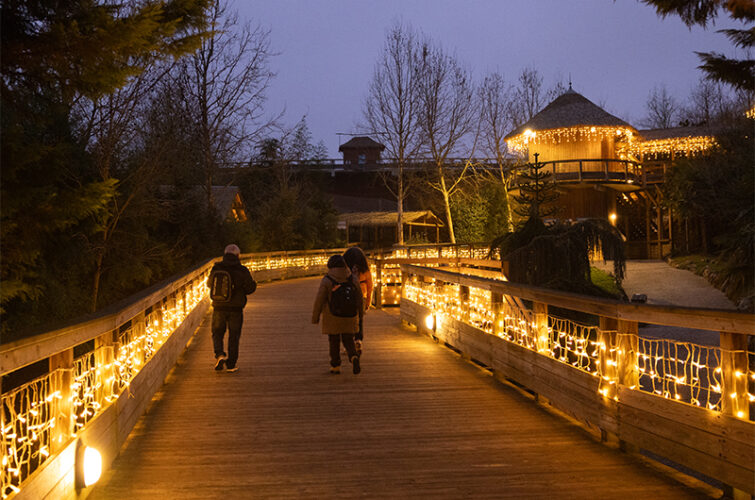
{"points": [[679, 371]]}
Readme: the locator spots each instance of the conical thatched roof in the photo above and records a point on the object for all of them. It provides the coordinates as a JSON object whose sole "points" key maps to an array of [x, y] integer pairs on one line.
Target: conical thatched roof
{"points": [[570, 109]]}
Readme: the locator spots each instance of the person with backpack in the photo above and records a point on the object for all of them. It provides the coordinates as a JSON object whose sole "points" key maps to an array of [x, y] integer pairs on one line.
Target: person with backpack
{"points": [[229, 282], [339, 303], [360, 272]]}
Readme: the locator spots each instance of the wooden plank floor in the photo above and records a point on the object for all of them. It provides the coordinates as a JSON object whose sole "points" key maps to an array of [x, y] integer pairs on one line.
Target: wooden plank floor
{"points": [[418, 421]]}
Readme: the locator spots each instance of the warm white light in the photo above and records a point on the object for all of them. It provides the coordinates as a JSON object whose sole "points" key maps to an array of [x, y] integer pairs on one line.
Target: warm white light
{"points": [[92, 466], [612, 217], [429, 321]]}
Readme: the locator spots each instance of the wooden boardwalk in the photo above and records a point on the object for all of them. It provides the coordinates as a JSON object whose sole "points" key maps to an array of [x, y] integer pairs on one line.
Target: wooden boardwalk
{"points": [[417, 422]]}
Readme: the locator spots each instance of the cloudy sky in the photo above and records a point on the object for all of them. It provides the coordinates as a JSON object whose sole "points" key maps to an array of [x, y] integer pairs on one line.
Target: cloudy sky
{"points": [[615, 51]]}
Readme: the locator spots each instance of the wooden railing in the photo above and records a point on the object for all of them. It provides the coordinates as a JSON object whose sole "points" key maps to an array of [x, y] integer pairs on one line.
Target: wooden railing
{"points": [[589, 170], [88, 383], [686, 402]]}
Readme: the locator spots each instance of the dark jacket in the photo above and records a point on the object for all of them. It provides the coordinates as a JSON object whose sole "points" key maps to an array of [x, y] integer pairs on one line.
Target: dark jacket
{"points": [[333, 324], [243, 283]]}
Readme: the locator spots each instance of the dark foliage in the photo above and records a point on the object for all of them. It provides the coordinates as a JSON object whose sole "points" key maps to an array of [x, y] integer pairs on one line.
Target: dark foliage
{"points": [[717, 190], [537, 191], [557, 256]]}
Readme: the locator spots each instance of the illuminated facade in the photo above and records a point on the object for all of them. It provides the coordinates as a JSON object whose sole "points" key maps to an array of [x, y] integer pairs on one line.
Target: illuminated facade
{"points": [[605, 168]]}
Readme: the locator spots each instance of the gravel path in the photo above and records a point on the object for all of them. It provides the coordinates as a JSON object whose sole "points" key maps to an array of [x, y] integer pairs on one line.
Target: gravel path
{"points": [[669, 286]]}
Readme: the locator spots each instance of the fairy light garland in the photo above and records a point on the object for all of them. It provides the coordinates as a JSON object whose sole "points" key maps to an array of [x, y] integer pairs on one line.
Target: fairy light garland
{"points": [[677, 145], [520, 143], [680, 371], [31, 412], [29, 415]]}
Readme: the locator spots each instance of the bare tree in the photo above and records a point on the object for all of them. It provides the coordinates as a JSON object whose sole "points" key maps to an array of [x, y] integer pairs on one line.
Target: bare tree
{"points": [[707, 102], [223, 89], [390, 108], [496, 119], [529, 95], [662, 108], [447, 112], [111, 126]]}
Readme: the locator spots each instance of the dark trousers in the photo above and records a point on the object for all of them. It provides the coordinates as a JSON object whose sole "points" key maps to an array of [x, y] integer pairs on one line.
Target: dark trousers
{"points": [[335, 347], [231, 320], [360, 334]]}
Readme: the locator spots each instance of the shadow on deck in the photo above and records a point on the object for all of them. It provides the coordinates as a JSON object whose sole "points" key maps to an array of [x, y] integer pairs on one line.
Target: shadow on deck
{"points": [[418, 421]]}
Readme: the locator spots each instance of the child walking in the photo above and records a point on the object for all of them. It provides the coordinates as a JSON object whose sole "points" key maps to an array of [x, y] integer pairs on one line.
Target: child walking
{"points": [[337, 324], [360, 273]]}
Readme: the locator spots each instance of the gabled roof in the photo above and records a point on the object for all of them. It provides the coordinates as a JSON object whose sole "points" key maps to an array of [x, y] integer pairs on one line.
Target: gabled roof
{"points": [[224, 196], [675, 132], [361, 142], [389, 218], [568, 110]]}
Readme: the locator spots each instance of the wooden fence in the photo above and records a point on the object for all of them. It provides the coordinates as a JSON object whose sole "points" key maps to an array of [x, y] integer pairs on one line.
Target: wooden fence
{"points": [[689, 403], [98, 376]]}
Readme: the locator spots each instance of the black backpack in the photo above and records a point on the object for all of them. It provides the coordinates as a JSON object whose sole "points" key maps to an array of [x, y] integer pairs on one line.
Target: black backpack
{"points": [[221, 286], [344, 299]]}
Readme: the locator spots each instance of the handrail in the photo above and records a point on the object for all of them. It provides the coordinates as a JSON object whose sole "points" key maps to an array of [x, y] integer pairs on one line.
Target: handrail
{"points": [[127, 349], [22, 352], [577, 170], [686, 317], [687, 402]]}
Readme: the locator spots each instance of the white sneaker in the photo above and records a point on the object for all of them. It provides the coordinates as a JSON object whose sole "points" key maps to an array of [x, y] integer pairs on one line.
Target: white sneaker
{"points": [[220, 363]]}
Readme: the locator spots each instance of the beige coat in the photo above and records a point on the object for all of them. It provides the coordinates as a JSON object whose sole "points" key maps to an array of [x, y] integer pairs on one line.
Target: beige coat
{"points": [[332, 324]]}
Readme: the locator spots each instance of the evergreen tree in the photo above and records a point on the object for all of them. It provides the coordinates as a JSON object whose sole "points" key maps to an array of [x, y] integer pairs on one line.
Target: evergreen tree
{"points": [[739, 73], [57, 56], [537, 192]]}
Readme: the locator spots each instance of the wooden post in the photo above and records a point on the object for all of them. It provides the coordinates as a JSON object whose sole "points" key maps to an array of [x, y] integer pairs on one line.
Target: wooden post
{"points": [[626, 360], [496, 307], [542, 339], [628, 345], [464, 302], [62, 365], [607, 357], [378, 283], [734, 367], [104, 367], [734, 386]]}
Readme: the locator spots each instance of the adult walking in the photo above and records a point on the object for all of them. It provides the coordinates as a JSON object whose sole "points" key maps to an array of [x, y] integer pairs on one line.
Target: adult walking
{"points": [[339, 303], [356, 261], [229, 282]]}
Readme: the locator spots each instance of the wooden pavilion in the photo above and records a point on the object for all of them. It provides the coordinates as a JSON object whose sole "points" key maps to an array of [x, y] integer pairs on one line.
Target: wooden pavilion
{"points": [[378, 229], [605, 168]]}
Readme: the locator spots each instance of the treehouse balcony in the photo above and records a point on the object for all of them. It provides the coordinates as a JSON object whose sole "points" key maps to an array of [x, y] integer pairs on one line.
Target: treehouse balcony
{"points": [[621, 175]]}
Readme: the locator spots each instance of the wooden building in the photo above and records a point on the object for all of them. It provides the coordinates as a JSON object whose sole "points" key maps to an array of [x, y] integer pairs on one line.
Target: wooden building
{"points": [[605, 168], [378, 229], [361, 150]]}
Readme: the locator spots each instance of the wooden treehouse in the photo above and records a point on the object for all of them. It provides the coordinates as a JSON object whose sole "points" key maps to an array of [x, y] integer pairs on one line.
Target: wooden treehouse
{"points": [[606, 168]]}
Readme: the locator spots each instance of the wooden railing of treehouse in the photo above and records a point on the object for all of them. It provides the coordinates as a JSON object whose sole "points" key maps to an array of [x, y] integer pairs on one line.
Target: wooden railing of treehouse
{"points": [[689, 403], [102, 373], [589, 170]]}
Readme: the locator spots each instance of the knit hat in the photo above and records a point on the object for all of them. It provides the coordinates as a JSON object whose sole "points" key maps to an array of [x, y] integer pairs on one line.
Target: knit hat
{"points": [[235, 250], [336, 261]]}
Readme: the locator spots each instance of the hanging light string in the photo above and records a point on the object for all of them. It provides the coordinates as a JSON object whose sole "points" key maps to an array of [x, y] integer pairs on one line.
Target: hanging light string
{"points": [[680, 371], [31, 411]]}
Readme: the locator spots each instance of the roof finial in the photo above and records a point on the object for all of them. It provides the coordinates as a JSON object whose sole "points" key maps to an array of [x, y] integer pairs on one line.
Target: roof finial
{"points": [[570, 81]]}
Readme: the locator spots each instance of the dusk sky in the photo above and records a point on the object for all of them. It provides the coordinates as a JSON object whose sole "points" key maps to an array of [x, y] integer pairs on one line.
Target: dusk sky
{"points": [[615, 52]]}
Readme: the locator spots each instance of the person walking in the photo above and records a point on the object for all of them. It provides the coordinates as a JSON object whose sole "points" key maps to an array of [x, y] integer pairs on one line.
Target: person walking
{"points": [[229, 282], [339, 303], [356, 261]]}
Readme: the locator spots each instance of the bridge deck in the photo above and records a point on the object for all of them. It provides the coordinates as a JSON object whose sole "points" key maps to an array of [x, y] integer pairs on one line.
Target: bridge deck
{"points": [[417, 421]]}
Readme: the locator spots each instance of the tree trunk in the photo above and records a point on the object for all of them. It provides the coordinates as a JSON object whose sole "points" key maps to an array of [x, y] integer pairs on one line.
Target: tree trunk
{"points": [[400, 206], [447, 203], [99, 258]]}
